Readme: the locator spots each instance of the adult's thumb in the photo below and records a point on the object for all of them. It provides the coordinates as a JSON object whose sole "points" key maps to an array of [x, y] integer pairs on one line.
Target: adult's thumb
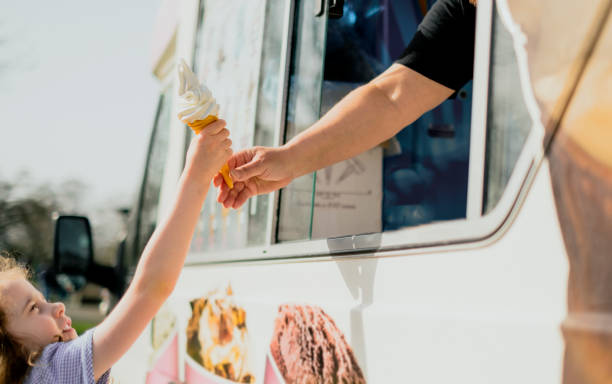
{"points": [[247, 171]]}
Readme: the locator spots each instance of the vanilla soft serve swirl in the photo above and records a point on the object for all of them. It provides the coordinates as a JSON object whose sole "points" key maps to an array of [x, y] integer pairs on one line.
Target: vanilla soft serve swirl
{"points": [[196, 101]]}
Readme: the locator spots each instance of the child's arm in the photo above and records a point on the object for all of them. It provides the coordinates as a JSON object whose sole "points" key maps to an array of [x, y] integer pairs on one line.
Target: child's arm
{"points": [[164, 255]]}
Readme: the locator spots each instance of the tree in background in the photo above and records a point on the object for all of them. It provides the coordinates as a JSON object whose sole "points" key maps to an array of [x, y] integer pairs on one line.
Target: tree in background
{"points": [[26, 227], [26, 216]]}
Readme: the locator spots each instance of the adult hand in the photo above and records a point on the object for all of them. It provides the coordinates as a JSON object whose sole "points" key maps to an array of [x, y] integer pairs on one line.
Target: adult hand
{"points": [[255, 171]]}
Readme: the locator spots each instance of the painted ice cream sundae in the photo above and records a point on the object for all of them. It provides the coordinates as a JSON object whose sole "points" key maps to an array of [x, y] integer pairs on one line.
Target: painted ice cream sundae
{"points": [[217, 338]]}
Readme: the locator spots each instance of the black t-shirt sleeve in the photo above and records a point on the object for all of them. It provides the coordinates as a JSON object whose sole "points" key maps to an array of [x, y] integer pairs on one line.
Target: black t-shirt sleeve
{"points": [[442, 49]]}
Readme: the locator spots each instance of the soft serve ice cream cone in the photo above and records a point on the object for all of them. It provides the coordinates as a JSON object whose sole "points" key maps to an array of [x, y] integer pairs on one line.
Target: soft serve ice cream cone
{"points": [[197, 107]]}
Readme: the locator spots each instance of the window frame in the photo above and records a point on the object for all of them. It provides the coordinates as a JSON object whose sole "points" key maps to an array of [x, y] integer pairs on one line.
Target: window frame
{"points": [[280, 118], [472, 230]]}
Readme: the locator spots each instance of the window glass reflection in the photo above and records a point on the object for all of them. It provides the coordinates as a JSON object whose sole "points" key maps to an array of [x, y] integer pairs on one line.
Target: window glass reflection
{"points": [[303, 109], [508, 121], [268, 104], [425, 166]]}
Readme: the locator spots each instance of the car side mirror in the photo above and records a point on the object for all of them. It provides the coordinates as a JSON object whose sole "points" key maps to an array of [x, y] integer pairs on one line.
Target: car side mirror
{"points": [[73, 257], [73, 248]]}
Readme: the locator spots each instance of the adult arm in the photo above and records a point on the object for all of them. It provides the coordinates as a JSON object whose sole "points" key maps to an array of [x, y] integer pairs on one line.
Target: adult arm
{"points": [[363, 119]]}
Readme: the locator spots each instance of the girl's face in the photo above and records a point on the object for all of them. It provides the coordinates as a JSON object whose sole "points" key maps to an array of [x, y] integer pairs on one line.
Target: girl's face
{"points": [[32, 320]]}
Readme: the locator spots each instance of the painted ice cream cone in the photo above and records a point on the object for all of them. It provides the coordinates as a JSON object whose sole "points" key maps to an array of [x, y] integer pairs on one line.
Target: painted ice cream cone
{"points": [[217, 340], [198, 107], [308, 347]]}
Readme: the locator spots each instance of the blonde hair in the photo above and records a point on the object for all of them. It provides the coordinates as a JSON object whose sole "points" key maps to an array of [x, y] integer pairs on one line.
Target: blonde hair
{"points": [[15, 359]]}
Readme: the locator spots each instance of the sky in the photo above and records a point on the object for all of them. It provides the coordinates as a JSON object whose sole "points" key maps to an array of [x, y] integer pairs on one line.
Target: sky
{"points": [[77, 93]]}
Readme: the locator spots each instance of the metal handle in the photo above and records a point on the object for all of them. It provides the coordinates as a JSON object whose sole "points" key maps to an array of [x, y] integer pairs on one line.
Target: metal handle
{"points": [[336, 8]]}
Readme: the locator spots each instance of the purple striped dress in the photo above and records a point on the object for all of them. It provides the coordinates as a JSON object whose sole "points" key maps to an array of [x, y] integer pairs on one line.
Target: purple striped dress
{"points": [[68, 362]]}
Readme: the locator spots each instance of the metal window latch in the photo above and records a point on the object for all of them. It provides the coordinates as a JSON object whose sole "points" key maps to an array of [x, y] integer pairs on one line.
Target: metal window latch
{"points": [[335, 8], [319, 8]]}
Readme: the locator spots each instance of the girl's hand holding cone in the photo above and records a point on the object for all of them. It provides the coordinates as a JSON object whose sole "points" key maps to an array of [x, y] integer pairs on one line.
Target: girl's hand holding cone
{"points": [[197, 126]]}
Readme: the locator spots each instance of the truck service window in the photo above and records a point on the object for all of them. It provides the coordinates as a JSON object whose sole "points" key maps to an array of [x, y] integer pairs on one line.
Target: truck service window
{"points": [[421, 175], [417, 177], [305, 64]]}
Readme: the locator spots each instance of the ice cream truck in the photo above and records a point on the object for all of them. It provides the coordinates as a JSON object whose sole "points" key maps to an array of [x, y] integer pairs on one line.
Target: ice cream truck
{"points": [[473, 247]]}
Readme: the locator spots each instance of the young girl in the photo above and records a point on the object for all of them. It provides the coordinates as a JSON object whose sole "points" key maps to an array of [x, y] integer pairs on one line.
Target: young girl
{"points": [[37, 342]]}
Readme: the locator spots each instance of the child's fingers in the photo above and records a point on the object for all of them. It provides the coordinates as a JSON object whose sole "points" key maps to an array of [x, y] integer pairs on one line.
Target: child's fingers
{"points": [[216, 138], [214, 128], [220, 140], [222, 133]]}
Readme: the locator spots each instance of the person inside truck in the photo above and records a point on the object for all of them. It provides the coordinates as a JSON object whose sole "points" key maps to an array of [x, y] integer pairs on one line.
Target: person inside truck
{"points": [[37, 341], [438, 61]]}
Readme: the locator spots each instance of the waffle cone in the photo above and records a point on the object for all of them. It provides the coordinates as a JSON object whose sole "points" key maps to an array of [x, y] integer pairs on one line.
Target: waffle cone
{"points": [[197, 126]]}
